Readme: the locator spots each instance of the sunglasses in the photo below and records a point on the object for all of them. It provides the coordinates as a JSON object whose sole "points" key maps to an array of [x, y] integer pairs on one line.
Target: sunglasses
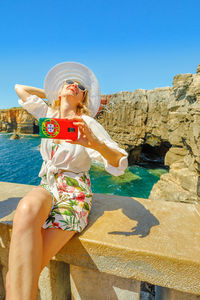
{"points": [[81, 87]]}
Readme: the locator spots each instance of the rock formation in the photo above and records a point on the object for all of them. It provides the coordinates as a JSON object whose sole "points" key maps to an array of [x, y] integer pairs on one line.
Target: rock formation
{"points": [[19, 120], [162, 121], [15, 136]]}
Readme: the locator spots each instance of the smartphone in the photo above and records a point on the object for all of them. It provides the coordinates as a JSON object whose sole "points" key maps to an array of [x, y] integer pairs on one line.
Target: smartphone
{"points": [[52, 128]]}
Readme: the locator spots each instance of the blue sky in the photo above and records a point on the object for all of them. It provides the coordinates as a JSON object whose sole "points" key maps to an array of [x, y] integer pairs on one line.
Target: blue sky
{"points": [[127, 44]]}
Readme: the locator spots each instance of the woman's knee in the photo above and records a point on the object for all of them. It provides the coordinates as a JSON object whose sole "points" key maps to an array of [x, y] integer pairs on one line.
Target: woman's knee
{"points": [[35, 206]]}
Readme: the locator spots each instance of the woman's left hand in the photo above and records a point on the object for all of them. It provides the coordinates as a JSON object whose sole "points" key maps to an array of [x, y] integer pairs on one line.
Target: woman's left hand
{"points": [[86, 137]]}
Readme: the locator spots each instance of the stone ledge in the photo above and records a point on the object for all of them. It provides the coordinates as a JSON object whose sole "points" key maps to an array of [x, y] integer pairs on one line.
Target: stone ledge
{"points": [[146, 240]]}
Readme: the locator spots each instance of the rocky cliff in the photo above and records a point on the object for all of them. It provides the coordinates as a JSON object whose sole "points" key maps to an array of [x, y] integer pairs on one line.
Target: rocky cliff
{"points": [[17, 119], [161, 124]]}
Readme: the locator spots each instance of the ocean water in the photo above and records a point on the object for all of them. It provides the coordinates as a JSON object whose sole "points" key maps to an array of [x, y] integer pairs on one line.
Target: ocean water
{"points": [[21, 162]]}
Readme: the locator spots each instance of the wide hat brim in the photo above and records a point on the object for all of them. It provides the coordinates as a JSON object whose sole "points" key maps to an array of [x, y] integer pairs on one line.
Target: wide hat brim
{"points": [[75, 71]]}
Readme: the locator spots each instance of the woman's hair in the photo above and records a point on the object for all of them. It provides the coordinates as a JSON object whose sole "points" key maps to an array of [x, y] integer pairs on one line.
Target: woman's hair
{"points": [[81, 108]]}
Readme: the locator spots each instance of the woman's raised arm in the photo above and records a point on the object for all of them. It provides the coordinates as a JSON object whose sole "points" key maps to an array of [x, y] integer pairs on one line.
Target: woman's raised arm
{"points": [[24, 91]]}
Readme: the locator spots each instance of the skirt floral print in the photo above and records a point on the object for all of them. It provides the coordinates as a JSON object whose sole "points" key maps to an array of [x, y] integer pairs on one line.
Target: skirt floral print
{"points": [[71, 210]]}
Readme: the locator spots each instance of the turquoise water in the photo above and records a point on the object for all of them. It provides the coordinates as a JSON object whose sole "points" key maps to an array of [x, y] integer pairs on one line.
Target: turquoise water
{"points": [[21, 161]]}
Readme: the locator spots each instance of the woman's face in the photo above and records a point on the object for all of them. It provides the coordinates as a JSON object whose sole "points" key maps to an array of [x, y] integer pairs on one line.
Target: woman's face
{"points": [[72, 92]]}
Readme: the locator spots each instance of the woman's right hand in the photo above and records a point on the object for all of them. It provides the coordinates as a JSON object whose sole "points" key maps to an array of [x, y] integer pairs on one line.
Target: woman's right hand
{"points": [[24, 91]]}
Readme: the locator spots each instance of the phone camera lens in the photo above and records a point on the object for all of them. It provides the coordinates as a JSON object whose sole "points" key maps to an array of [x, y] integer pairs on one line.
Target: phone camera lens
{"points": [[70, 129]]}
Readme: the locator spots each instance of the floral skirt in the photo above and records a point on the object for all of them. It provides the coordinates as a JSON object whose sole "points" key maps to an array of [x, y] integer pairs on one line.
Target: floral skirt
{"points": [[71, 210]]}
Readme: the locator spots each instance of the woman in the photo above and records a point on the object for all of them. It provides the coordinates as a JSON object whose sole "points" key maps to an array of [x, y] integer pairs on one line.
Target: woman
{"points": [[51, 213]]}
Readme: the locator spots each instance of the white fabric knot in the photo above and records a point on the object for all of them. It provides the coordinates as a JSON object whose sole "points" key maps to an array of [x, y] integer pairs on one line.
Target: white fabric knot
{"points": [[49, 169]]}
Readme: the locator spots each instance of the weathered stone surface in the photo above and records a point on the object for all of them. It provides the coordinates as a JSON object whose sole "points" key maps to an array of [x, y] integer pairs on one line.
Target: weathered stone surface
{"points": [[163, 293], [54, 282], [174, 154], [92, 284], [198, 69], [125, 117], [2, 289]]}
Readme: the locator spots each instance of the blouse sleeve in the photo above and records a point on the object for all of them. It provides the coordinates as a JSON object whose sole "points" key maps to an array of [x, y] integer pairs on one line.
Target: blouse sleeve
{"points": [[102, 135], [35, 106]]}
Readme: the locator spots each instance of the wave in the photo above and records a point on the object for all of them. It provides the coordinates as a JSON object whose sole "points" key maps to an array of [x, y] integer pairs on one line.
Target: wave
{"points": [[5, 133], [36, 148]]}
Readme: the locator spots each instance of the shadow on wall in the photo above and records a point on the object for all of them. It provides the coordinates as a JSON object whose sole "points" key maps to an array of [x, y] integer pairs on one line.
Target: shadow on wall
{"points": [[8, 206]]}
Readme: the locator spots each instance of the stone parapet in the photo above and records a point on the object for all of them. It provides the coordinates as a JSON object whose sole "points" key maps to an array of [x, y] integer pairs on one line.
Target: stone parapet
{"points": [[127, 239]]}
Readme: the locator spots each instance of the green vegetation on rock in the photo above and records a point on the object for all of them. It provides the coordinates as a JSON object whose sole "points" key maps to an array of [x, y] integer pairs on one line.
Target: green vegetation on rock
{"points": [[98, 167], [157, 172], [126, 177]]}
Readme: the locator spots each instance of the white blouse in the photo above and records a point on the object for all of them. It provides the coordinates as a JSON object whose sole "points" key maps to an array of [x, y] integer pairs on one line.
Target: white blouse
{"points": [[71, 157]]}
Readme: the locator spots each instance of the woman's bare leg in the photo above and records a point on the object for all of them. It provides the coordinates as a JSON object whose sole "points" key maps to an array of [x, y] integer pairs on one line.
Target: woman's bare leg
{"points": [[26, 247], [53, 240]]}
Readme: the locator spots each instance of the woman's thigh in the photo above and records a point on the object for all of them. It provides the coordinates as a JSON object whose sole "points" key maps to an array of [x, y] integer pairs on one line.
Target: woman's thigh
{"points": [[53, 240], [34, 207]]}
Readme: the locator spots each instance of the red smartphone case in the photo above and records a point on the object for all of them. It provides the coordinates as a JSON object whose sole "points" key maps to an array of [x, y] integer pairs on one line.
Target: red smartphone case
{"points": [[62, 129]]}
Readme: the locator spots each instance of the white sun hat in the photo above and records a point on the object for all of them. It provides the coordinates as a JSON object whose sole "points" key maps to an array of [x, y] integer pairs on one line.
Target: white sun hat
{"points": [[75, 71]]}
